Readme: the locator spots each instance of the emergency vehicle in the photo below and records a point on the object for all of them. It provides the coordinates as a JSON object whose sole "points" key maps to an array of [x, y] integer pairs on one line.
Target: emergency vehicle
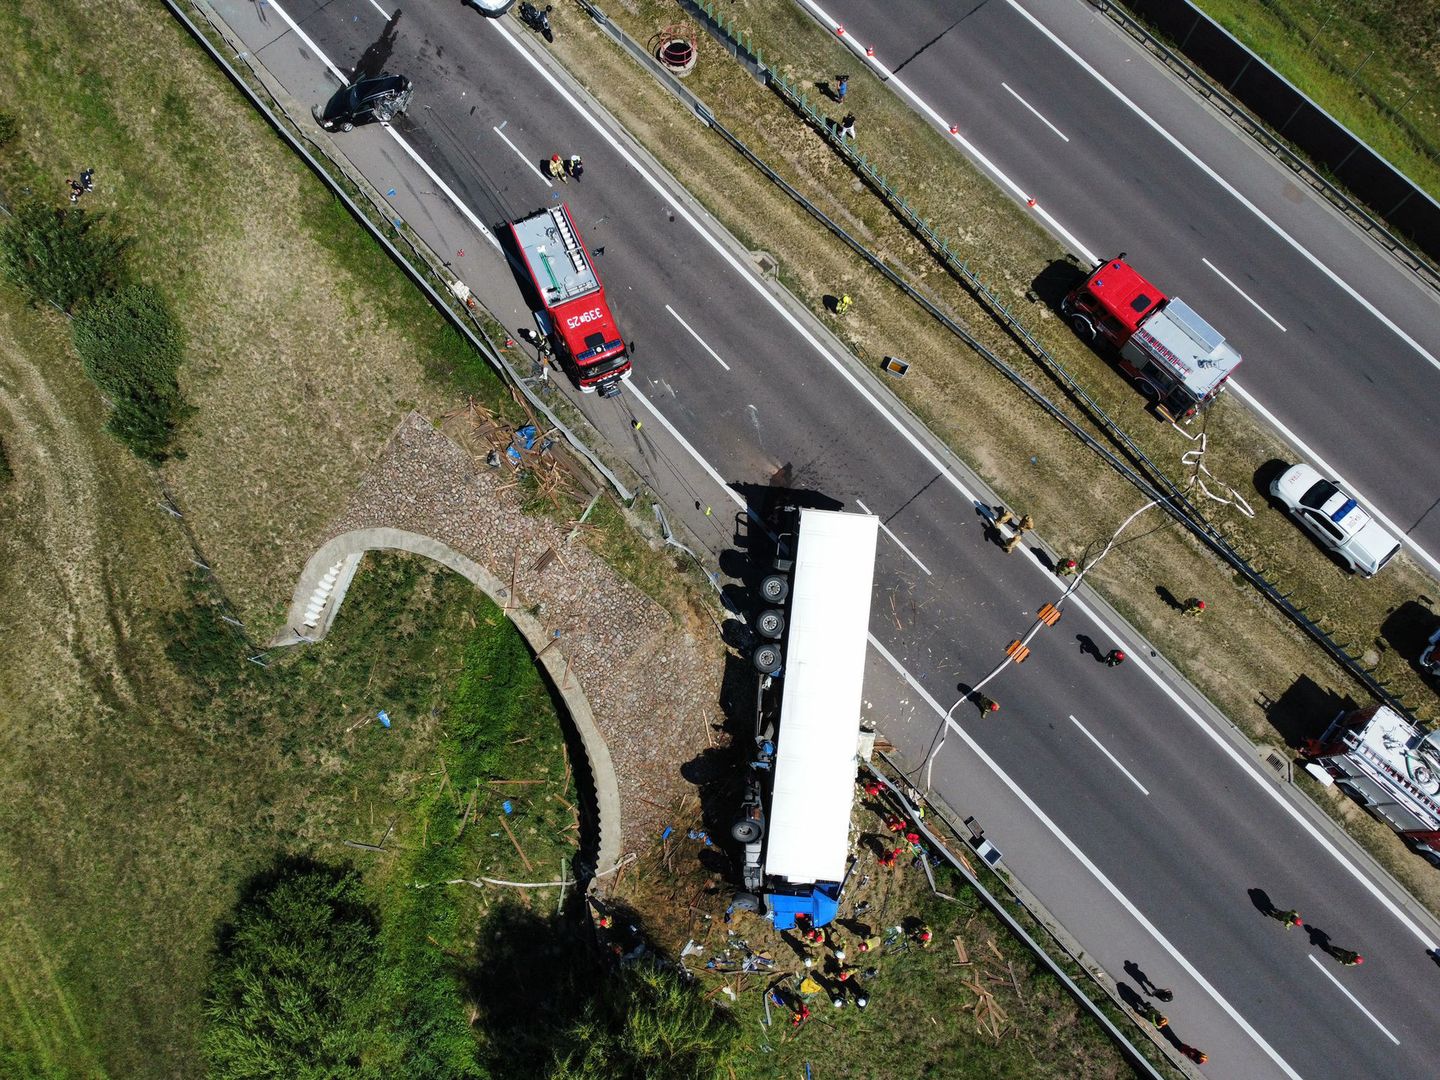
{"points": [[573, 315], [794, 822], [1176, 359], [1390, 767]]}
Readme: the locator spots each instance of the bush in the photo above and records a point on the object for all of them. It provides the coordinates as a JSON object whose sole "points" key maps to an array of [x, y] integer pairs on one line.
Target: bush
{"points": [[131, 347], [645, 1023], [9, 129], [291, 992], [62, 256]]}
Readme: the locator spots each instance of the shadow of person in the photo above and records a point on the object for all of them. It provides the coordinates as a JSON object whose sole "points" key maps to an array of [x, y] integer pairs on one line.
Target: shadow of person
{"points": [[1133, 970], [1261, 899], [1168, 598], [1130, 996], [1088, 646], [1319, 938]]}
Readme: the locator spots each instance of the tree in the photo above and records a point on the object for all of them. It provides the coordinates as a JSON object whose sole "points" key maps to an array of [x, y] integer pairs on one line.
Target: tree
{"points": [[131, 348], [291, 994], [63, 256], [644, 1024]]}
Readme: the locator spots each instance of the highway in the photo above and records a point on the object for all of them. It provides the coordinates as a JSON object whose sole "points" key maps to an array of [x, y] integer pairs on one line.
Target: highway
{"points": [[1341, 344], [1117, 796]]}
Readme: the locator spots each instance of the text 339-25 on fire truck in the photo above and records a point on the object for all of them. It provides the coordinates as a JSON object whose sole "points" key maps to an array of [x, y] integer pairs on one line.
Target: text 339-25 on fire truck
{"points": [[573, 313], [1177, 359]]}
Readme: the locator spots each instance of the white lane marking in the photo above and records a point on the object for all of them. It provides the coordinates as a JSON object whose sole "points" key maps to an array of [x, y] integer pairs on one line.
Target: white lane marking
{"points": [[1354, 1000], [859, 50], [1229, 188], [970, 148], [295, 28], [697, 337], [1113, 759], [381, 10], [533, 167], [684, 442], [1242, 293], [1036, 111], [898, 542], [1108, 885], [761, 290], [409, 150], [1329, 470]]}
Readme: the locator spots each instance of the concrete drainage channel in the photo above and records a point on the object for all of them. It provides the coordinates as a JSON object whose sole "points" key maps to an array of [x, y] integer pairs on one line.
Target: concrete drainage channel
{"points": [[336, 561]]}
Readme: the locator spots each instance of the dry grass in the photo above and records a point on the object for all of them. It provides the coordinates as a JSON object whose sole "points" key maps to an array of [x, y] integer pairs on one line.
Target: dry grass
{"points": [[1243, 655]]}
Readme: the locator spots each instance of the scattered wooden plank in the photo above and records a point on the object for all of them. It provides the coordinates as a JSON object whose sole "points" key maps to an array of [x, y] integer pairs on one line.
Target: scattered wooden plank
{"points": [[518, 850]]}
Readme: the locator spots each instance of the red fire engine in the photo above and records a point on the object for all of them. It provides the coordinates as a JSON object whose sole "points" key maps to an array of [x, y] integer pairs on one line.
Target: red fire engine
{"points": [[1177, 359], [574, 316], [1390, 767]]}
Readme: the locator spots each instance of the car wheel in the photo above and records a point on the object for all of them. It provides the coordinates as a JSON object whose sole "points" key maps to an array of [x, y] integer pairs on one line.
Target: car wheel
{"points": [[770, 624], [347, 126], [775, 588], [1083, 327], [766, 659], [746, 901], [745, 831]]}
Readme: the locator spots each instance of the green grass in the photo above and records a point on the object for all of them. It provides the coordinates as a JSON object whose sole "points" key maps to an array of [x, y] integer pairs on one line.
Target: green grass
{"points": [[1372, 64]]}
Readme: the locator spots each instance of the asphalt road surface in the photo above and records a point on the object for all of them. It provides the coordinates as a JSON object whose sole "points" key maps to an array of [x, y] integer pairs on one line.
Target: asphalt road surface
{"points": [[1120, 799], [1341, 344]]}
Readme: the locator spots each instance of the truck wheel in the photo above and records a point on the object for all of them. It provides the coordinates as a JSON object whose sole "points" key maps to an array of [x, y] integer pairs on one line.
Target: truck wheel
{"points": [[775, 588], [1147, 389], [766, 659], [770, 624], [746, 901], [745, 831], [1083, 327]]}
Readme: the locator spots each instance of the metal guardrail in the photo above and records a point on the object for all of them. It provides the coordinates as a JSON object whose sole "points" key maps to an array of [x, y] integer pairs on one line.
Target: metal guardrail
{"points": [[1042, 955], [1421, 266], [1147, 477]]}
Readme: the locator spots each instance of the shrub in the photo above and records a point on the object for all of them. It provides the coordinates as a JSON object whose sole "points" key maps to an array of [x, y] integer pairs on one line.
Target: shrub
{"points": [[61, 256], [291, 993], [9, 129], [131, 347]]}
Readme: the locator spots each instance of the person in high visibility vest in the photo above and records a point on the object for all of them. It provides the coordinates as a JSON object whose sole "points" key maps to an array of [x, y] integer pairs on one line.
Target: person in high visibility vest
{"points": [[987, 705], [1067, 568], [1347, 956], [1193, 606], [1289, 918], [843, 304]]}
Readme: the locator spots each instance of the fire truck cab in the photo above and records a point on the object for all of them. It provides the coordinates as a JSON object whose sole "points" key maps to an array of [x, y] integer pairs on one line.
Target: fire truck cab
{"points": [[1176, 359], [573, 313]]}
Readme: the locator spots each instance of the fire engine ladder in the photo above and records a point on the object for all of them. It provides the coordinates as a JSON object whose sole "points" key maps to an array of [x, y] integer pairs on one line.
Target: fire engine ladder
{"points": [[1420, 804], [567, 238]]}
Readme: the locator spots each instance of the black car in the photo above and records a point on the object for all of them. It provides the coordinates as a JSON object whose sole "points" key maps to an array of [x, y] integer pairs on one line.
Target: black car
{"points": [[380, 97]]}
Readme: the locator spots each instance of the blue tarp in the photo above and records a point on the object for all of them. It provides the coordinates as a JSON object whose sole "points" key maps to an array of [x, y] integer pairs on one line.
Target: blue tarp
{"points": [[818, 904]]}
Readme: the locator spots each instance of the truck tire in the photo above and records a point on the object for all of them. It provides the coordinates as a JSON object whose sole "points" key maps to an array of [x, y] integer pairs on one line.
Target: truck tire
{"points": [[770, 624], [745, 831], [775, 588], [1083, 327], [746, 901], [766, 658], [1147, 389]]}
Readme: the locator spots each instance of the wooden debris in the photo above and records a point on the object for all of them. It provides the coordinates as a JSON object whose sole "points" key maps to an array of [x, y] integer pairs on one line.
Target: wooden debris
{"points": [[518, 850], [961, 952]]}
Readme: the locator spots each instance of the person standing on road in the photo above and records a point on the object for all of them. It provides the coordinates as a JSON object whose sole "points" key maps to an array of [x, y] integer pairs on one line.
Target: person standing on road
{"points": [[1348, 957], [987, 705], [1114, 658], [574, 166], [1289, 918], [557, 168]]}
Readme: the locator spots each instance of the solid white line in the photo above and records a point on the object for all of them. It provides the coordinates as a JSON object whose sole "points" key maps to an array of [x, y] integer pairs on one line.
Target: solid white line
{"points": [[1353, 999], [1113, 760], [930, 458], [899, 543], [1243, 293], [697, 337], [1036, 111], [1320, 463], [295, 28], [434, 179], [533, 167], [1228, 187], [381, 10], [1084, 861], [684, 442]]}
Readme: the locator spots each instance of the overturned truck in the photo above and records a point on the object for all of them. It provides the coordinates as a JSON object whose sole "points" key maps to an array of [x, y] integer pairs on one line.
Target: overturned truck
{"points": [[800, 783]]}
